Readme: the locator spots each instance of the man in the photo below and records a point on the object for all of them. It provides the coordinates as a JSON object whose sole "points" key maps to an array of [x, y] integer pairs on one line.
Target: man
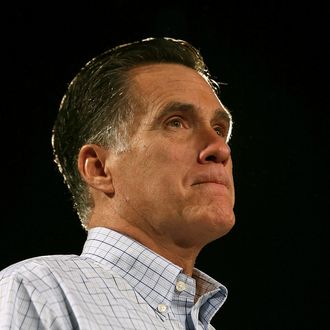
{"points": [[141, 139]]}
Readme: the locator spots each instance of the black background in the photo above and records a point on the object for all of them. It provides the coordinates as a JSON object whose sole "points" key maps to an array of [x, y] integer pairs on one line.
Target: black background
{"points": [[273, 57]]}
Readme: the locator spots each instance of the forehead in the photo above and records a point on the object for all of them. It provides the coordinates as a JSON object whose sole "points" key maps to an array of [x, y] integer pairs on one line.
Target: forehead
{"points": [[160, 84], [167, 73]]}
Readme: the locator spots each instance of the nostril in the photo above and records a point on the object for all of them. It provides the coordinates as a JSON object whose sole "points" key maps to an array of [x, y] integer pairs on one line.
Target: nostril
{"points": [[211, 158]]}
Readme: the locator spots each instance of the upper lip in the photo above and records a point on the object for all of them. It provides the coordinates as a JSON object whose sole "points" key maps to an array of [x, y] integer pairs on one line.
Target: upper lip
{"points": [[211, 177]]}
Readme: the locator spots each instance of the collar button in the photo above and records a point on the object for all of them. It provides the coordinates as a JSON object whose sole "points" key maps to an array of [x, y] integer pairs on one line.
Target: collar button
{"points": [[180, 286]]}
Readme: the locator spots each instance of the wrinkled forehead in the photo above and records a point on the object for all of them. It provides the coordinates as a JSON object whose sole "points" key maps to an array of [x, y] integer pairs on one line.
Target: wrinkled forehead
{"points": [[166, 72], [156, 85]]}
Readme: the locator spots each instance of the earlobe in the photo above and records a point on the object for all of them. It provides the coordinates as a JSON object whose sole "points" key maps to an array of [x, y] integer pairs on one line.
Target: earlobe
{"points": [[92, 167]]}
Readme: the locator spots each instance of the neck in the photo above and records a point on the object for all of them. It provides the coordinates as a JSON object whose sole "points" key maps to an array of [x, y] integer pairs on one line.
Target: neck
{"points": [[181, 256], [179, 248]]}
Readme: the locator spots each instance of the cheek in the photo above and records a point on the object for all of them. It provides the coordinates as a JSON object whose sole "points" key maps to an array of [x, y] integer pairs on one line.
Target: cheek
{"points": [[231, 178], [165, 156], [154, 168]]}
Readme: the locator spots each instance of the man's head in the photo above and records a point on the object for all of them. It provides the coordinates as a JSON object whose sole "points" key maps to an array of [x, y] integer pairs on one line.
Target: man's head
{"points": [[141, 125]]}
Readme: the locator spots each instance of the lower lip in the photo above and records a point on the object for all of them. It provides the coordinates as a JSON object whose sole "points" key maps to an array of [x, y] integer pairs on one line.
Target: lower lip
{"points": [[212, 186]]}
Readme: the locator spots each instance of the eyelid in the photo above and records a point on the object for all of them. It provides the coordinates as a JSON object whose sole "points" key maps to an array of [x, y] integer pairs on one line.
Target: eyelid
{"points": [[175, 117], [224, 129]]}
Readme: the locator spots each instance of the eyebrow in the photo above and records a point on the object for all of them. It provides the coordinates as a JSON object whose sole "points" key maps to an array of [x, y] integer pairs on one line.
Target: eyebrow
{"points": [[173, 107], [220, 114]]}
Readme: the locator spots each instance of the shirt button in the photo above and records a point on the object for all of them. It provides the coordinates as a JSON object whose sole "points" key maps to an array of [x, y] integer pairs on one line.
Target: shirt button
{"points": [[162, 308], [180, 286]]}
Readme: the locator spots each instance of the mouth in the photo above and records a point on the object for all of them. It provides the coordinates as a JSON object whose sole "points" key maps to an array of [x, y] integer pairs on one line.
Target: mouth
{"points": [[215, 182], [213, 177], [211, 189]]}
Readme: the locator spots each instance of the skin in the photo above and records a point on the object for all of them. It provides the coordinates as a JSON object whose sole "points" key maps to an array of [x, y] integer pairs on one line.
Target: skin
{"points": [[173, 189]]}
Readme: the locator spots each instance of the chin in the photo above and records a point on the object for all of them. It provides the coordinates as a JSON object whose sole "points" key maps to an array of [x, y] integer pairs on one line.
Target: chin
{"points": [[229, 224], [212, 219], [205, 228], [220, 224], [212, 226]]}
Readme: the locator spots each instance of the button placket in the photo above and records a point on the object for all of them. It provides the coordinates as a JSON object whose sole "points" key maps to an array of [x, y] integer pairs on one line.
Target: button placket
{"points": [[162, 308]]}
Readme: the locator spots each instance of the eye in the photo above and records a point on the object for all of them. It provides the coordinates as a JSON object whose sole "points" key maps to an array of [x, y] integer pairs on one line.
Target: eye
{"points": [[221, 131], [176, 122]]}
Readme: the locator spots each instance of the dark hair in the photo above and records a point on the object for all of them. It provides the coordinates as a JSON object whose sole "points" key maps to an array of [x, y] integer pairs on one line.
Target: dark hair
{"points": [[97, 107]]}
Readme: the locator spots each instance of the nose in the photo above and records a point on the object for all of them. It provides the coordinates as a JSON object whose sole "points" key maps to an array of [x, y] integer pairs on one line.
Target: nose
{"points": [[215, 149]]}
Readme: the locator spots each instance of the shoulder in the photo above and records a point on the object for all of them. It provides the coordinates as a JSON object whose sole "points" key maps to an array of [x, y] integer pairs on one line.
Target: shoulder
{"points": [[41, 280], [58, 276], [42, 263], [38, 269], [31, 290], [53, 271]]}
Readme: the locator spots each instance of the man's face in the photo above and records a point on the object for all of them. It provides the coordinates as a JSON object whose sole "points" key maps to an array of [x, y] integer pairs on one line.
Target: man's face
{"points": [[175, 180]]}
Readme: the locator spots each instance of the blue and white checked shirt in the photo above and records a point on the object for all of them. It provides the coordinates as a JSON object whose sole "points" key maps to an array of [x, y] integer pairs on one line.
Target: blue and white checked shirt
{"points": [[116, 283]]}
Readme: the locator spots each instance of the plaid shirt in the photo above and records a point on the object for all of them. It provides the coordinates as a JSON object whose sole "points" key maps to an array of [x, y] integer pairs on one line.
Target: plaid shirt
{"points": [[116, 283]]}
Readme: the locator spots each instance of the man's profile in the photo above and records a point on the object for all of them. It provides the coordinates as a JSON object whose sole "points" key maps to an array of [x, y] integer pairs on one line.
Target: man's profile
{"points": [[141, 139]]}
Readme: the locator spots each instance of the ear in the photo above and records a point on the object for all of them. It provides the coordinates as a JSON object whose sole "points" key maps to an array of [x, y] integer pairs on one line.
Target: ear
{"points": [[93, 169]]}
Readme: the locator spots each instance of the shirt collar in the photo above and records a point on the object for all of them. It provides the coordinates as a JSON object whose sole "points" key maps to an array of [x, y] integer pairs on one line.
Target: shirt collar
{"points": [[153, 276]]}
